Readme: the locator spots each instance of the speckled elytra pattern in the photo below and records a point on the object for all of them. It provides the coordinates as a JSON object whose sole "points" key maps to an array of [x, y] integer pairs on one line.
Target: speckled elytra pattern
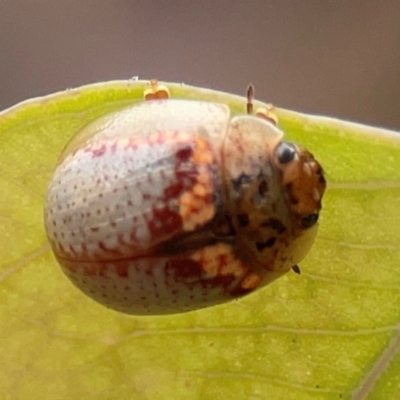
{"points": [[170, 206], [161, 285], [118, 198]]}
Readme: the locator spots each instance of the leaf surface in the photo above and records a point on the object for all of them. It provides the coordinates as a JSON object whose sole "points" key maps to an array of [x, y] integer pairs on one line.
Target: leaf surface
{"points": [[331, 333]]}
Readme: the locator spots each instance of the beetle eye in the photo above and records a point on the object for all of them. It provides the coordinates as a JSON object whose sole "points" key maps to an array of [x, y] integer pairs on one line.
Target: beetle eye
{"points": [[285, 152], [309, 220]]}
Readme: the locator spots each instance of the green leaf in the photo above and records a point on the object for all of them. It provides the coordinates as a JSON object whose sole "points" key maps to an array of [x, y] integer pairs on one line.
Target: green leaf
{"points": [[331, 333]]}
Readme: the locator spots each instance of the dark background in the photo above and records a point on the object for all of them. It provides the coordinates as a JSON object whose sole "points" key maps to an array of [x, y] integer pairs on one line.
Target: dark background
{"points": [[334, 57]]}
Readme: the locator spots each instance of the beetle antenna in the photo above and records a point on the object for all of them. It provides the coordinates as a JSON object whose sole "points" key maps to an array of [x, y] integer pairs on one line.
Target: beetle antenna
{"points": [[250, 97]]}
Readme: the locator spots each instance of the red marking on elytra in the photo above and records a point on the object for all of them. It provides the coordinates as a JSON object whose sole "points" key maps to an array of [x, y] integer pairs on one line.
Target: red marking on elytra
{"points": [[223, 260], [149, 272], [192, 273], [91, 269], [184, 269], [97, 151], [188, 174], [114, 147], [174, 190], [122, 270], [157, 138], [184, 154], [163, 222]]}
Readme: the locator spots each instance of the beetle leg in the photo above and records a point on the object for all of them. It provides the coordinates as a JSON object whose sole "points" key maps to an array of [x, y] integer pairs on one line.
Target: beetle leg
{"points": [[156, 91], [268, 114], [296, 269]]}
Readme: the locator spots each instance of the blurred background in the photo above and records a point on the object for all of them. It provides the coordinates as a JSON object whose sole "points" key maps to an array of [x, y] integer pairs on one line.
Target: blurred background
{"points": [[332, 57]]}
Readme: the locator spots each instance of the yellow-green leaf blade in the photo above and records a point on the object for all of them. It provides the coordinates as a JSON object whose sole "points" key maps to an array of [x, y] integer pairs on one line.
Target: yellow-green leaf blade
{"points": [[319, 335]]}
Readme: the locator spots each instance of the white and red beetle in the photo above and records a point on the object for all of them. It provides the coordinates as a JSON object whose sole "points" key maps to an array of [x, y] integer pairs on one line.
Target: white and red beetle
{"points": [[170, 205]]}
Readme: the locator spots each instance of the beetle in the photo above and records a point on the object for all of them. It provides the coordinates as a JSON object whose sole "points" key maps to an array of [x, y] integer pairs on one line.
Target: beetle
{"points": [[173, 205]]}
